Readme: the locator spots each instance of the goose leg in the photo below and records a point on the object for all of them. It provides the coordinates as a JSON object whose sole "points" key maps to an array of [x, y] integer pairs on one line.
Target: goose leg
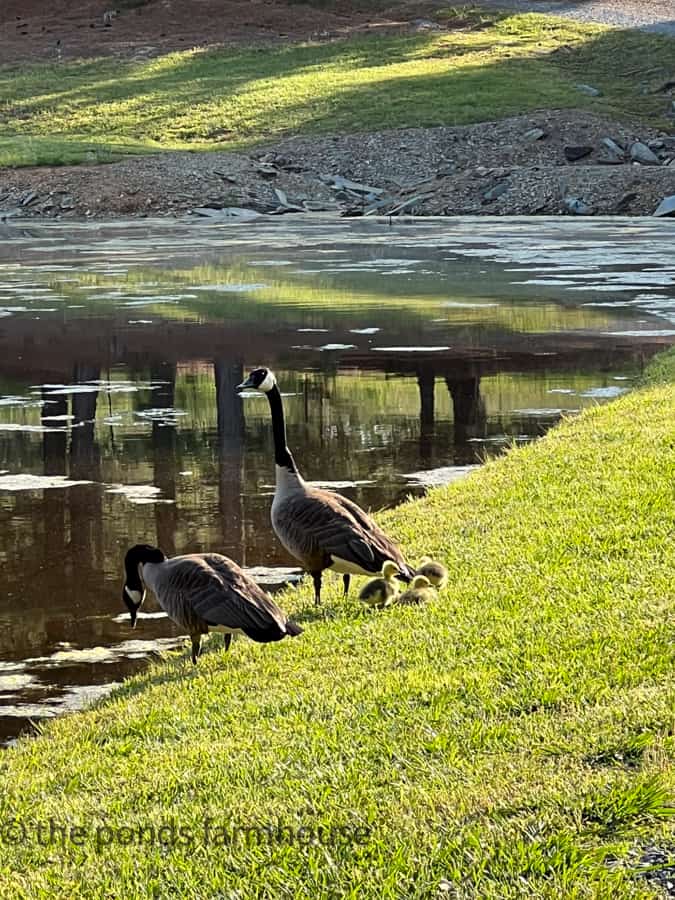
{"points": [[345, 581], [316, 578], [227, 640], [196, 647]]}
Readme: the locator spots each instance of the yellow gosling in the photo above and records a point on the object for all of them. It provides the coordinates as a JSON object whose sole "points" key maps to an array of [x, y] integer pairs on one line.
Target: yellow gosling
{"points": [[420, 591], [380, 592], [434, 571]]}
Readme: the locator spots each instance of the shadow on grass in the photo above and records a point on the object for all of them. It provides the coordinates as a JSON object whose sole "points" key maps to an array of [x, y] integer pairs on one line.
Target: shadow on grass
{"points": [[209, 99], [177, 666]]}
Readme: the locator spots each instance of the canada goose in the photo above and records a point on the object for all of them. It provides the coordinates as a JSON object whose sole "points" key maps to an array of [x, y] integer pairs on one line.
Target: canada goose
{"points": [[435, 572], [321, 529], [381, 591], [203, 591], [420, 591]]}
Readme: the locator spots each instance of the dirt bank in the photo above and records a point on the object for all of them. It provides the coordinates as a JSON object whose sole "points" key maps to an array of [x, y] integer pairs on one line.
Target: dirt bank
{"points": [[523, 165]]}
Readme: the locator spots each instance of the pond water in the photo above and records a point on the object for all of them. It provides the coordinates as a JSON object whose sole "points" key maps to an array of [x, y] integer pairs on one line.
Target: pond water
{"points": [[407, 353]]}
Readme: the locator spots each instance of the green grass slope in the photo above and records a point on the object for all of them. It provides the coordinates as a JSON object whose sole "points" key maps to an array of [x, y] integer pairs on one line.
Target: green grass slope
{"points": [[91, 110], [513, 739]]}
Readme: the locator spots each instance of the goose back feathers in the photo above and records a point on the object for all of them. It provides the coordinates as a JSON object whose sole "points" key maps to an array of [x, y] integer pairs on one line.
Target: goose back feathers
{"points": [[326, 530], [204, 591]]}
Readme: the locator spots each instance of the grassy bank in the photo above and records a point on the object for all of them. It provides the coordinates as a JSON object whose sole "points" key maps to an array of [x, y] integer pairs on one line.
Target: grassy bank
{"points": [[512, 739], [92, 110]]}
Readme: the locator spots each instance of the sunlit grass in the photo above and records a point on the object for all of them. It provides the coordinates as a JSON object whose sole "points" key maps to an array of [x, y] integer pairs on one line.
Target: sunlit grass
{"points": [[197, 99], [514, 738]]}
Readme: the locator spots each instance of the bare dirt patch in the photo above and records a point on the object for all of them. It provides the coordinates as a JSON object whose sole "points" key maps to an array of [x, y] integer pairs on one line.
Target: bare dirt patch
{"points": [[36, 30]]}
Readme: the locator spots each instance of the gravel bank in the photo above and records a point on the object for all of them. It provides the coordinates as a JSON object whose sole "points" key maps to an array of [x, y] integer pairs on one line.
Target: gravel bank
{"points": [[517, 166]]}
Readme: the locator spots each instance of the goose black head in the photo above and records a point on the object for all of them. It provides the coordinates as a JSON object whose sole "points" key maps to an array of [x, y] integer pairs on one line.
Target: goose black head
{"points": [[133, 592], [258, 380]]}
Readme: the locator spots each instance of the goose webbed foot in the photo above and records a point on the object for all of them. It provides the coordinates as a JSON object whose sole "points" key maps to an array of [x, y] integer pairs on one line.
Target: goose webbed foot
{"points": [[227, 640], [316, 578], [345, 581]]}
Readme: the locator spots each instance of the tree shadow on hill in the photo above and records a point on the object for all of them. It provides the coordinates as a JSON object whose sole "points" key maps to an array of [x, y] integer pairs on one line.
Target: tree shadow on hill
{"points": [[246, 97], [624, 65]]}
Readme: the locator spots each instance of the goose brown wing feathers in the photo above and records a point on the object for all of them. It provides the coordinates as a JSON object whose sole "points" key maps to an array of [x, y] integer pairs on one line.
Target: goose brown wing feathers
{"points": [[319, 524], [378, 539], [220, 593]]}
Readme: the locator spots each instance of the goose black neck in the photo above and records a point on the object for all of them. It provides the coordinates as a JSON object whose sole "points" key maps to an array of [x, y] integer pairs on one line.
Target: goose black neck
{"points": [[282, 455], [138, 555]]}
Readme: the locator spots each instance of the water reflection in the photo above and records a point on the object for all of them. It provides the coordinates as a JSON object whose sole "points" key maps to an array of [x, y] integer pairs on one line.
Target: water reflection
{"points": [[403, 354]]}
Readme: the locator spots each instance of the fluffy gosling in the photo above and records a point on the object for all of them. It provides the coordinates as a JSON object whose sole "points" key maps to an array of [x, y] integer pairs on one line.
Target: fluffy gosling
{"points": [[381, 592], [420, 591], [434, 571]]}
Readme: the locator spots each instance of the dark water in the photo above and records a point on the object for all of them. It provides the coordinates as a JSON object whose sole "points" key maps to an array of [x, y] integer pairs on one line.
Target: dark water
{"points": [[403, 352]]}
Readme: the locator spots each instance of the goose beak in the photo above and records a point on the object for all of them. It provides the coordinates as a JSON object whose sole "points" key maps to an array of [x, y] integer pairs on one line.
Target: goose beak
{"points": [[245, 386]]}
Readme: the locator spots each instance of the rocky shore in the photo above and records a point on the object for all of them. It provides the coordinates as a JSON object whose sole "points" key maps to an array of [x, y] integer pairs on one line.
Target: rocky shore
{"points": [[554, 162]]}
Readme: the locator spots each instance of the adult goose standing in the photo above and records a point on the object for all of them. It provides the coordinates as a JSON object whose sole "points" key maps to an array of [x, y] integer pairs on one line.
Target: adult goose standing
{"points": [[321, 529], [203, 592]]}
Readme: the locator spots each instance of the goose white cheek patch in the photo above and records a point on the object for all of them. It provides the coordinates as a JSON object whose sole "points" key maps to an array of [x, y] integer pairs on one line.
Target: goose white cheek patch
{"points": [[267, 383], [136, 596]]}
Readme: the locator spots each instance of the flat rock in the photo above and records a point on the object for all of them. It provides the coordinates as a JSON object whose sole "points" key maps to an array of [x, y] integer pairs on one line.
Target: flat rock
{"points": [[577, 207], [229, 212], [575, 152], [337, 182], [666, 207], [534, 134], [589, 90], [425, 25], [494, 192], [641, 153], [613, 148], [320, 205]]}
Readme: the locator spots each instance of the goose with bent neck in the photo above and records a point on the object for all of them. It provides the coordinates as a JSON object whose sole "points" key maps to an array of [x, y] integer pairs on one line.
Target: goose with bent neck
{"points": [[321, 529], [203, 592]]}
